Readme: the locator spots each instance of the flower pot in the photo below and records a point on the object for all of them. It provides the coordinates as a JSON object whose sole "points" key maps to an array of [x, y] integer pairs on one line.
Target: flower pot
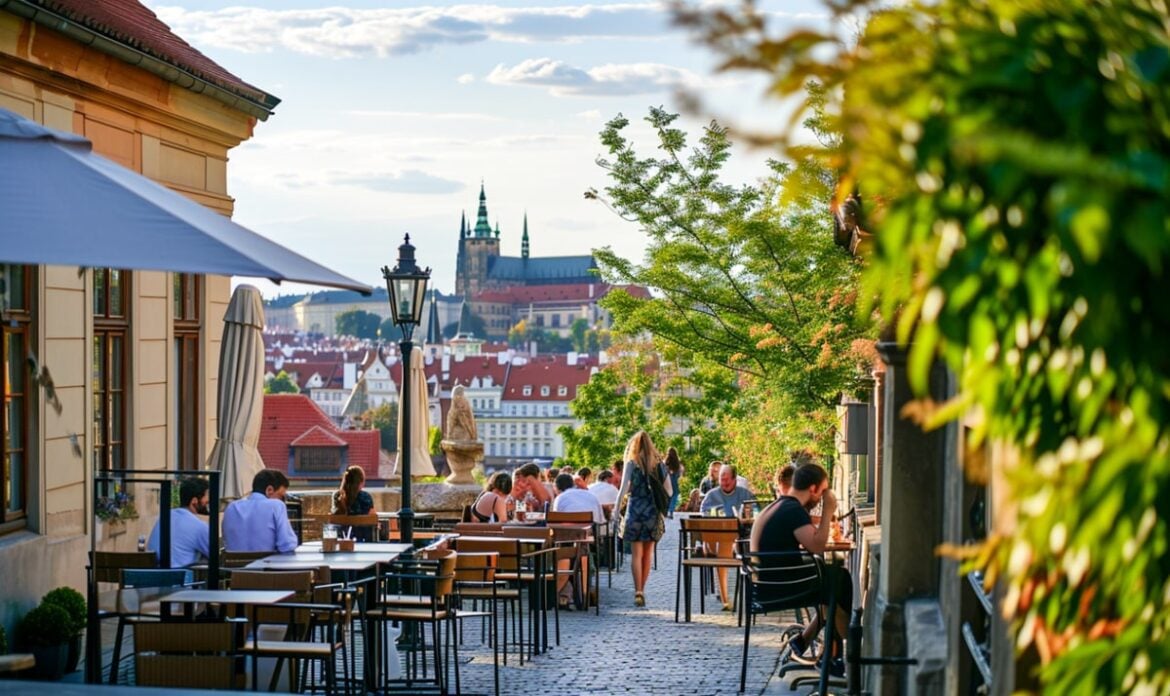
{"points": [[50, 661], [74, 654]]}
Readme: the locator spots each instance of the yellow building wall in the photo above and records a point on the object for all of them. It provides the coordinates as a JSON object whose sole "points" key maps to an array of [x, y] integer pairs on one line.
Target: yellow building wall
{"points": [[174, 136]]}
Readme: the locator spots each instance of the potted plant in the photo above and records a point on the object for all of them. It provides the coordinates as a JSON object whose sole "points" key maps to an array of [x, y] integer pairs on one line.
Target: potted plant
{"points": [[45, 632], [73, 603]]}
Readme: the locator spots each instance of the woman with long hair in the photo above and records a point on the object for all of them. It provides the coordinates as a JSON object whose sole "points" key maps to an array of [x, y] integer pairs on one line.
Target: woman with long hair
{"points": [[350, 499], [674, 468], [641, 524], [491, 505]]}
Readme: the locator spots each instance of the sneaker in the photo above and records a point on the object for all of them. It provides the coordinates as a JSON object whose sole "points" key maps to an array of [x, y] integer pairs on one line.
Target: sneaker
{"points": [[797, 645]]}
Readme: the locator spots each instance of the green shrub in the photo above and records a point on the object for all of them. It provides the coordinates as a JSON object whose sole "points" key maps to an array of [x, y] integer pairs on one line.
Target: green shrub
{"points": [[45, 626], [72, 602]]}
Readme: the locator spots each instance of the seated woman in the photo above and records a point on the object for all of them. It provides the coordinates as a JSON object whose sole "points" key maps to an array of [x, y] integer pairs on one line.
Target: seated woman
{"points": [[350, 499], [491, 505]]}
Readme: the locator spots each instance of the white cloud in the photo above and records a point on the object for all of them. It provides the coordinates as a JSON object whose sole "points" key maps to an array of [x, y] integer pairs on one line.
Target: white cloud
{"points": [[406, 181], [427, 115], [612, 79], [590, 115], [465, 79], [340, 32]]}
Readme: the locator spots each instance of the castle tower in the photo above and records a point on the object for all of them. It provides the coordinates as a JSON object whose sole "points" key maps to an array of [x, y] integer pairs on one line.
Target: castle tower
{"points": [[524, 239], [477, 247]]}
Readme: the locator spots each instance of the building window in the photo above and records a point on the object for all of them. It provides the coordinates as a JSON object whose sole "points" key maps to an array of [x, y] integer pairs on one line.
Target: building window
{"points": [[188, 288], [527, 390], [544, 390], [524, 449], [318, 460], [524, 429], [547, 429], [111, 325], [562, 390], [19, 392], [512, 429], [556, 321]]}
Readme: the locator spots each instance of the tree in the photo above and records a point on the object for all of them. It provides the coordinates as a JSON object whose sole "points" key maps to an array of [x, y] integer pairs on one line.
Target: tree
{"points": [[389, 331], [471, 324], [578, 333], [1019, 155], [743, 275], [281, 384], [358, 323], [383, 418]]}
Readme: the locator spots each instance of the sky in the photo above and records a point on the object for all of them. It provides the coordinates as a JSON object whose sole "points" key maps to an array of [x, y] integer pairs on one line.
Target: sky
{"points": [[392, 115]]}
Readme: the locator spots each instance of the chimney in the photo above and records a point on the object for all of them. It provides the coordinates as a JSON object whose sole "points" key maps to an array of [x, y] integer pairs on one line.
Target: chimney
{"points": [[571, 358], [446, 362], [349, 375], [591, 291]]}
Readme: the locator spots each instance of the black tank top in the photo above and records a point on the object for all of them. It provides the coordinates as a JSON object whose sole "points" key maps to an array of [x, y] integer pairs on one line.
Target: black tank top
{"points": [[475, 508]]}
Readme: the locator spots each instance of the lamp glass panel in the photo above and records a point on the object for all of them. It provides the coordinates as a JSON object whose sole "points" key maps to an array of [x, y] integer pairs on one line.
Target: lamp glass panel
{"points": [[420, 291], [404, 297]]}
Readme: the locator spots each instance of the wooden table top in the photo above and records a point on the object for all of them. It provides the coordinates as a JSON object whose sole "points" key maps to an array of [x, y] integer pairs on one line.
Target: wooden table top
{"points": [[342, 560]]}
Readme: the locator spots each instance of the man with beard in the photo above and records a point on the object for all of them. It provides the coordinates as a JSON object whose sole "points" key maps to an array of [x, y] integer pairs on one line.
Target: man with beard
{"points": [[786, 526], [189, 534]]}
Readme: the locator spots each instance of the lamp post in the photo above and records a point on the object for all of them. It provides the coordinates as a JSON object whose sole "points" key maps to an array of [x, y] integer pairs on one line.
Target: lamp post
{"points": [[406, 285]]}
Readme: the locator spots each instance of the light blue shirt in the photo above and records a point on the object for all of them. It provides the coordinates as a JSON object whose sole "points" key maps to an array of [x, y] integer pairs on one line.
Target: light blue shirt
{"points": [[189, 538], [716, 497], [258, 523]]}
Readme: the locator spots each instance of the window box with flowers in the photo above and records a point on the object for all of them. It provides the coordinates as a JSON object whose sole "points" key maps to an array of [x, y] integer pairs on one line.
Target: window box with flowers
{"points": [[115, 509]]}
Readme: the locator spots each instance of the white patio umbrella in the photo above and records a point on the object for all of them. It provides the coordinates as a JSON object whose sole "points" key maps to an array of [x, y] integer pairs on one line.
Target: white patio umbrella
{"points": [[241, 393], [420, 421], [61, 204]]}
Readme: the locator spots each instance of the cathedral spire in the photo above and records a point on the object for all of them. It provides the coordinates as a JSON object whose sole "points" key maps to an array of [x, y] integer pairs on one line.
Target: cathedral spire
{"points": [[524, 239], [463, 224], [434, 331], [482, 227]]}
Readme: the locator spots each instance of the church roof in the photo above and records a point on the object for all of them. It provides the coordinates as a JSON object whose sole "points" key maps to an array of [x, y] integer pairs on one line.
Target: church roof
{"points": [[549, 269]]}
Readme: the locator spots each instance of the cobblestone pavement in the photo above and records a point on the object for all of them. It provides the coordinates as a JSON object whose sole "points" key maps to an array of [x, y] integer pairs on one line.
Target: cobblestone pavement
{"points": [[637, 650]]}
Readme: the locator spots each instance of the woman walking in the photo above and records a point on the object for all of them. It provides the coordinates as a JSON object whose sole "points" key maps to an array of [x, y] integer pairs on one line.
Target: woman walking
{"points": [[674, 468], [350, 499], [641, 524]]}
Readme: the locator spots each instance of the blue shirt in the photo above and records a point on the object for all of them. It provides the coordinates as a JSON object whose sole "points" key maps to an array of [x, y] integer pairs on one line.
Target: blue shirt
{"points": [[716, 497], [258, 523], [189, 538]]}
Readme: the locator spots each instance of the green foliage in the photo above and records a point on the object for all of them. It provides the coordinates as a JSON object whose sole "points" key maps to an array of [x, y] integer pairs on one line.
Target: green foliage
{"points": [[281, 384], [358, 323], [72, 602], [1016, 166], [44, 626], [383, 418], [389, 331], [435, 440], [745, 277]]}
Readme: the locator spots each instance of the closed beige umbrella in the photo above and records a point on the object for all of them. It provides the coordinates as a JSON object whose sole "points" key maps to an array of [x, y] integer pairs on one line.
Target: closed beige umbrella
{"points": [[241, 393], [420, 421]]}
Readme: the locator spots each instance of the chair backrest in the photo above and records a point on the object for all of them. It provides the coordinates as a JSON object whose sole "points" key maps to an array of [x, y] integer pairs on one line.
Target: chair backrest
{"points": [[139, 587], [300, 582], [582, 517], [506, 550], [542, 533], [108, 565], [445, 575], [718, 533], [191, 655], [480, 528], [476, 567], [784, 579], [466, 517]]}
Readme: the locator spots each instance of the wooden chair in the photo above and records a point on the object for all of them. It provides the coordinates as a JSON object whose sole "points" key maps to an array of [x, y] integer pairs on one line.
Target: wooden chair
{"points": [[418, 592], [543, 572], [507, 577], [238, 559], [480, 528], [475, 580], [139, 593], [704, 543], [105, 568], [189, 655], [593, 556]]}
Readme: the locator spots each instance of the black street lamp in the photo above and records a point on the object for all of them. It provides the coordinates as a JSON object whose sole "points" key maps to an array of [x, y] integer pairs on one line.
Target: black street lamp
{"points": [[407, 284]]}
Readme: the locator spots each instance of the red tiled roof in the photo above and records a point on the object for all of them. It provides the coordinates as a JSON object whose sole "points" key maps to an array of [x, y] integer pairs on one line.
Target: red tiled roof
{"points": [[523, 294], [131, 23], [551, 372], [288, 417], [317, 436]]}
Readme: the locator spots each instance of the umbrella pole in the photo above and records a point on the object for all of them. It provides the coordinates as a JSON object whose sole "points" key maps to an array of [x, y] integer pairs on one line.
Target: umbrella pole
{"points": [[406, 514]]}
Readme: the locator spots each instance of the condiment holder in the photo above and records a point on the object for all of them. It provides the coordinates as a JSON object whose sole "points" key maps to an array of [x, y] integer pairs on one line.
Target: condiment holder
{"points": [[329, 545], [345, 545]]}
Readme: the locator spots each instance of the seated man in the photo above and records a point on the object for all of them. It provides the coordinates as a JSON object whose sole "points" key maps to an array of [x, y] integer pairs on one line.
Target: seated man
{"points": [[581, 478], [728, 496], [786, 526], [712, 479], [260, 521], [604, 490], [572, 499], [189, 533]]}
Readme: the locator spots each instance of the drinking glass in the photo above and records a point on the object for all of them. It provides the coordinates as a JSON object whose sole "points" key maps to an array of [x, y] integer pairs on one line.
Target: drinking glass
{"points": [[329, 531]]}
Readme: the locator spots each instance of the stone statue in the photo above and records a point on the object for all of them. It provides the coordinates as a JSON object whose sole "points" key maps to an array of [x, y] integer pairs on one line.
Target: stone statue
{"points": [[460, 419], [461, 442]]}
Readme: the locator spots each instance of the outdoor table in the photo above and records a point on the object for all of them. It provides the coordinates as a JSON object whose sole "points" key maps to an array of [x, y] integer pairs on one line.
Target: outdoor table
{"points": [[342, 560], [239, 598], [358, 547], [421, 519]]}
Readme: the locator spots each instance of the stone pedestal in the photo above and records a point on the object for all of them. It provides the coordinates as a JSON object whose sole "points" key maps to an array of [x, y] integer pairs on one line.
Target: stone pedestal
{"points": [[462, 456]]}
